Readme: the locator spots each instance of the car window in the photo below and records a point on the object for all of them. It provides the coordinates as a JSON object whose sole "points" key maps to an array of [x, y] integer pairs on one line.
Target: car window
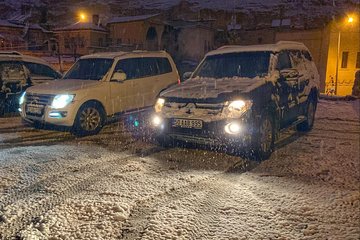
{"points": [[143, 67], [297, 60], [164, 65], [283, 61], [11, 71], [242, 64], [89, 69], [37, 69]]}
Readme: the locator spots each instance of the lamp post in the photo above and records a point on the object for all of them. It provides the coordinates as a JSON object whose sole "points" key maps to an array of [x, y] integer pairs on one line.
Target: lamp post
{"points": [[349, 20]]}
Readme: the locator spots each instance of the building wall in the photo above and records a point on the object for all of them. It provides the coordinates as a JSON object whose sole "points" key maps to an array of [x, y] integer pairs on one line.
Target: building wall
{"points": [[127, 33], [349, 42], [135, 34], [194, 43], [6, 44], [81, 42]]}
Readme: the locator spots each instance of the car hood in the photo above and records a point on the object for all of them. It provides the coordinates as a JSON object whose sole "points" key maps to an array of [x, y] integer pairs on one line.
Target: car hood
{"points": [[212, 90], [62, 86]]}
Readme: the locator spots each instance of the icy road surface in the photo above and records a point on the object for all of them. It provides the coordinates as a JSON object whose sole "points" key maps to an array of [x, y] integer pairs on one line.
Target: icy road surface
{"points": [[115, 186]]}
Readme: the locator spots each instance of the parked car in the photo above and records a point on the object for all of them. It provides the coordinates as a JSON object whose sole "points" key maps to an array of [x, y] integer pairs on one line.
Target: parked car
{"points": [[241, 97], [99, 87], [17, 73]]}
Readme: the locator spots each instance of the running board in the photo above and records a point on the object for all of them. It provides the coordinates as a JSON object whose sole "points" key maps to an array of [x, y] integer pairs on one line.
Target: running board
{"points": [[298, 121]]}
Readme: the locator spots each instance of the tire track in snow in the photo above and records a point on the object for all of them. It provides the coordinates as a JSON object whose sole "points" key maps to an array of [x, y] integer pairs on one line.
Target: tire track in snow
{"points": [[42, 204]]}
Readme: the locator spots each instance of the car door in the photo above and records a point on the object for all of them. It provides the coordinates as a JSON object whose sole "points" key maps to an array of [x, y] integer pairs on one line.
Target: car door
{"points": [[126, 95], [41, 73], [286, 98]]}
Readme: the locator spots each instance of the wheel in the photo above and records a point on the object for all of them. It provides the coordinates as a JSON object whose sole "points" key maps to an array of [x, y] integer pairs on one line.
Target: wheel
{"points": [[263, 144], [89, 119], [308, 124]]}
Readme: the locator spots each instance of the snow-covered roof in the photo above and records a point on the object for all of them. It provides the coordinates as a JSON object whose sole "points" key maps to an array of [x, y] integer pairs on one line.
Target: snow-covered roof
{"points": [[6, 56], [178, 24], [113, 55], [82, 26], [277, 47], [131, 18], [6, 23]]}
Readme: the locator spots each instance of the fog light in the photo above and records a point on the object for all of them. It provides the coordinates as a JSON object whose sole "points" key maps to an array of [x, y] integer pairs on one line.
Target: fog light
{"points": [[233, 128], [156, 121], [59, 114]]}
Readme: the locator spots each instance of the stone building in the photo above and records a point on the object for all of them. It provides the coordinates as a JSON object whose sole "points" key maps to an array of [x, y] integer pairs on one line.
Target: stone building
{"points": [[135, 32], [23, 36]]}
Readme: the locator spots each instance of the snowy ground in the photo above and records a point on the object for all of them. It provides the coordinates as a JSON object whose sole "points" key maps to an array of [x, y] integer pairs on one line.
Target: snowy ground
{"points": [[114, 186]]}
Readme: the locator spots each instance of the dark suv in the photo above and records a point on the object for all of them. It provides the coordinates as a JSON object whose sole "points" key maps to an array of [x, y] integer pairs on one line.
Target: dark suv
{"points": [[240, 97]]}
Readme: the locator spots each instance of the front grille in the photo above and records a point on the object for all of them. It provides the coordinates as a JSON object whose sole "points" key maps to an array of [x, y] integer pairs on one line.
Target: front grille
{"points": [[36, 103], [39, 99]]}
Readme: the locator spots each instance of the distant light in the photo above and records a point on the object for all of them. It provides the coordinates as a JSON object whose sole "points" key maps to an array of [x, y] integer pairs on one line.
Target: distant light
{"points": [[19, 109], [350, 20], [136, 123], [82, 17]]}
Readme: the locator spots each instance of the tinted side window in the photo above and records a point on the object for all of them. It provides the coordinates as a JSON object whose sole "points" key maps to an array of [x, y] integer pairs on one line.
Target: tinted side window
{"points": [[10, 71], [148, 67], [283, 61], [307, 55], [297, 59], [139, 67], [164, 65], [129, 66], [41, 70]]}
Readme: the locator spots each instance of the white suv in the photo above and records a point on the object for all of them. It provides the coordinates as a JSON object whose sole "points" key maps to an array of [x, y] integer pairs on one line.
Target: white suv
{"points": [[99, 86]]}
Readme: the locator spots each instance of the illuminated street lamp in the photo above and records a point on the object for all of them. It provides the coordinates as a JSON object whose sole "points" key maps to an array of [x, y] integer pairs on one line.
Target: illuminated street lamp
{"points": [[82, 17], [349, 20]]}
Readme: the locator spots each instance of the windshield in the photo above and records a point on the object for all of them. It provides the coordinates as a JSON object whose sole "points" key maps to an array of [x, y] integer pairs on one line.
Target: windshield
{"points": [[89, 69], [243, 64]]}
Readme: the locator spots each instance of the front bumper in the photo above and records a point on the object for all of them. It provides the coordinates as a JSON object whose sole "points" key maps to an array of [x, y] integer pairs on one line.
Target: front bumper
{"points": [[60, 117], [212, 133]]}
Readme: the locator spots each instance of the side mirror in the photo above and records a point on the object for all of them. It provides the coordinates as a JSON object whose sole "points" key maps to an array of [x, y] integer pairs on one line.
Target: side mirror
{"points": [[289, 74], [187, 75], [118, 77]]}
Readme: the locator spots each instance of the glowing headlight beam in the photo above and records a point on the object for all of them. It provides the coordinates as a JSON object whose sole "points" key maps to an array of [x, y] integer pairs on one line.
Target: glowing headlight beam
{"points": [[61, 101], [159, 104]]}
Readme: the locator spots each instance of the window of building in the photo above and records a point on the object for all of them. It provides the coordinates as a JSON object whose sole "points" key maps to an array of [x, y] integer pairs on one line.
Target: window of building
{"points": [[358, 60], [344, 59], [101, 42], [119, 41]]}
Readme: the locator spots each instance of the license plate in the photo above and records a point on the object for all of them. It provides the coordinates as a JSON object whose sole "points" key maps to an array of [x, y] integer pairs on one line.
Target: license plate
{"points": [[186, 123], [35, 109]]}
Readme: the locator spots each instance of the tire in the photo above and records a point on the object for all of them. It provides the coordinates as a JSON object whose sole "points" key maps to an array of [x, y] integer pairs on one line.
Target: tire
{"points": [[263, 144], [308, 124], [89, 120]]}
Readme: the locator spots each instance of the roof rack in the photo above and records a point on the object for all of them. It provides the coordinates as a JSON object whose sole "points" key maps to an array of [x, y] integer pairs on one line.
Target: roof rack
{"points": [[10, 53]]}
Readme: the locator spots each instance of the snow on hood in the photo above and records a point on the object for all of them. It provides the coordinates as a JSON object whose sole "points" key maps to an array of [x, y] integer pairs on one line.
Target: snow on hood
{"points": [[62, 86], [202, 88]]}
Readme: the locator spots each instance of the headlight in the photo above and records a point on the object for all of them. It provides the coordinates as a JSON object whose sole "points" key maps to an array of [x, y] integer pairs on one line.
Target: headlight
{"points": [[237, 108], [61, 101], [159, 104], [22, 98]]}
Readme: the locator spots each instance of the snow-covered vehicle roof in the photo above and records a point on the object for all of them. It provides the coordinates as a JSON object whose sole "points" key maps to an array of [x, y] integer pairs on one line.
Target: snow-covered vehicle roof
{"points": [[277, 47], [13, 56], [139, 53]]}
